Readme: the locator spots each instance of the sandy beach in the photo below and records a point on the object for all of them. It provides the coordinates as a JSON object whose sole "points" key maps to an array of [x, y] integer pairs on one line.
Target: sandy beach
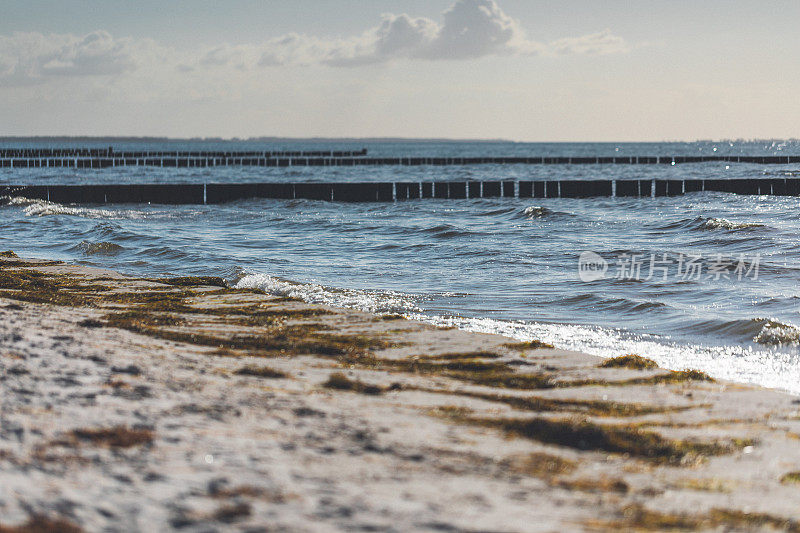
{"points": [[132, 404]]}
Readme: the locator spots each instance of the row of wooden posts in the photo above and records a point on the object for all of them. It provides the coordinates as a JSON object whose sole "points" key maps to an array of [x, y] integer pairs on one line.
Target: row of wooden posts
{"points": [[214, 193], [305, 161], [43, 153]]}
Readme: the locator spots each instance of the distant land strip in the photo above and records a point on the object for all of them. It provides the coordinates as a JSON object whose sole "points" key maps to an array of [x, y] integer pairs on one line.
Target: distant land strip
{"points": [[216, 193]]}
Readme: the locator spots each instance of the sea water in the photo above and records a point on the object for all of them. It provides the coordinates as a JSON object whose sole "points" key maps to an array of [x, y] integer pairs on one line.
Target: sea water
{"points": [[705, 280]]}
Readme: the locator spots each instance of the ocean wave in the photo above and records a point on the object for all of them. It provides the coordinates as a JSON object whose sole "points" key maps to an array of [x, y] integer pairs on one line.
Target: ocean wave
{"points": [[764, 331], [496, 212], [536, 211], [739, 330], [107, 229], [34, 207], [774, 333], [702, 223], [439, 228], [620, 305], [166, 252], [723, 223], [98, 248], [731, 362], [370, 301], [723, 362], [446, 231], [736, 362]]}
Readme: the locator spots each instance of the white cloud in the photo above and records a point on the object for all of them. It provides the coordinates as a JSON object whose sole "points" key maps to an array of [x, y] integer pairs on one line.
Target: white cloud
{"points": [[470, 29], [95, 54], [476, 28], [401, 35], [600, 43], [237, 56], [29, 58], [299, 49]]}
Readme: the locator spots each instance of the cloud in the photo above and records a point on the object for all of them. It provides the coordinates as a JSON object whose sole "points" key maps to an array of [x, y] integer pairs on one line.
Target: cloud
{"points": [[95, 54], [30, 58], [470, 29], [601, 43], [238, 56], [477, 28], [402, 35], [299, 49]]}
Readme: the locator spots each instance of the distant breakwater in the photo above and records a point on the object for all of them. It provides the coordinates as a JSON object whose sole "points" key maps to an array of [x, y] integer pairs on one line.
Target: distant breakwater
{"points": [[216, 193], [108, 158]]}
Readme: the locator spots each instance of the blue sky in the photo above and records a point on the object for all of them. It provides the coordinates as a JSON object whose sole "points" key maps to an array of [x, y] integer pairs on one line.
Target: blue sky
{"points": [[522, 70]]}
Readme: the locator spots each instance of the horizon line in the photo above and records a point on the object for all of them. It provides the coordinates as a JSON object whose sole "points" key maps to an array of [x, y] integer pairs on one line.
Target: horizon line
{"points": [[154, 138]]}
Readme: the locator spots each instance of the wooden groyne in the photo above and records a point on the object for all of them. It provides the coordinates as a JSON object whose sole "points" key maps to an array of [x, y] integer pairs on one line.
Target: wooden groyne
{"points": [[111, 153], [215, 193], [108, 158]]}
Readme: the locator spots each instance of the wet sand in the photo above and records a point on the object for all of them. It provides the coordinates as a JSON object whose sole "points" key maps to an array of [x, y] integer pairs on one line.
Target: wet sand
{"points": [[130, 404]]}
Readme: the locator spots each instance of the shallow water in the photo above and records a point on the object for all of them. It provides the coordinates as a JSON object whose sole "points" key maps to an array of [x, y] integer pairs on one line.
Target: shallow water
{"points": [[498, 265]]}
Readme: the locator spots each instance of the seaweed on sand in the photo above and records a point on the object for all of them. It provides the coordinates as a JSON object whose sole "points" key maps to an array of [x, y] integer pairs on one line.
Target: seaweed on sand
{"points": [[588, 436], [632, 361]]}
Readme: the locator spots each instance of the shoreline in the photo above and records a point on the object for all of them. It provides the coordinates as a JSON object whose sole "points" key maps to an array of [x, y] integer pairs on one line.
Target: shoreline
{"points": [[180, 403], [665, 354], [750, 341]]}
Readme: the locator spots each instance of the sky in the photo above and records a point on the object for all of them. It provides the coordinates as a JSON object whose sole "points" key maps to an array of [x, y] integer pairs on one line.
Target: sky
{"points": [[523, 70]]}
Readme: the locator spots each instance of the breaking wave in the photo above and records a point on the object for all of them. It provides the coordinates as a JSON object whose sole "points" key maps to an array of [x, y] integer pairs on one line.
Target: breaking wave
{"points": [[536, 212], [775, 333], [720, 361], [723, 223], [703, 223], [370, 301], [34, 207]]}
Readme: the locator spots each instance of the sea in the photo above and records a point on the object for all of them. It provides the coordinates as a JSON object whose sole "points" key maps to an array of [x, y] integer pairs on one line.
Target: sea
{"points": [[706, 281]]}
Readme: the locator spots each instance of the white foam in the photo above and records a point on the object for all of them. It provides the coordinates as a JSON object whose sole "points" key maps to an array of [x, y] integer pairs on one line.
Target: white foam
{"points": [[535, 211], [371, 301], [723, 223], [765, 367], [777, 334], [35, 207]]}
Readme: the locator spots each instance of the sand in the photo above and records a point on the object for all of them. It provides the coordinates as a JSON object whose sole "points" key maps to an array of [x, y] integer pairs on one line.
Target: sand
{"points": [[214, 409]]}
